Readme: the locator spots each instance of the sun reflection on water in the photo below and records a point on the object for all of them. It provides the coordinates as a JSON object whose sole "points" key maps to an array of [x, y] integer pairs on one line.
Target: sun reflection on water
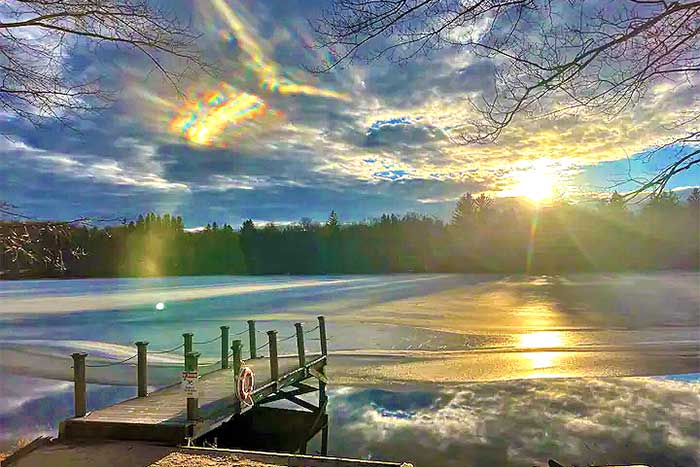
{"points": [[541, 340]]}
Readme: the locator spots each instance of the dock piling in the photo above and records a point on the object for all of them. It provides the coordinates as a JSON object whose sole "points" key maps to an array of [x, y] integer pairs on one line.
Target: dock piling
{"points": [[322, 335], [188, 342], [142, 368], [192, 366], [79, 383], [236, 346], [224, 347], [274, 364], [300, 344], [322, 397], [251, 338]]}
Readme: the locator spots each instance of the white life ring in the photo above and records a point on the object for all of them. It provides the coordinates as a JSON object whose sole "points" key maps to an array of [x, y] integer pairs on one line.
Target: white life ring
{"points": [[245, 385]]}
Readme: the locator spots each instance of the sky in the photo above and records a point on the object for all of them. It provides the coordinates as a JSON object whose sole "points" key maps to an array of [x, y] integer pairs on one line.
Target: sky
{"points": [[263, 138]]}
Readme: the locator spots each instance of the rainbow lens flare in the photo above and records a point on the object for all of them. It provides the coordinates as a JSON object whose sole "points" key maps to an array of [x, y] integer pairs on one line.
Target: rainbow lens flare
{"points": [[205, 119]]}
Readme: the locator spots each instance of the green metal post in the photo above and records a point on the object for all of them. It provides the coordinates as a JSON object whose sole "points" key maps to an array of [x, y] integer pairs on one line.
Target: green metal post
{"points": [[251, 338], [192, 366], [301, 351], [142, 368], [80, 386], [224, 347], [274, 364]]}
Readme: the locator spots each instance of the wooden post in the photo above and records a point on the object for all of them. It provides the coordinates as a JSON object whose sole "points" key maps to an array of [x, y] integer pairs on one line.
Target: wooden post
{"points": [[251, 338], [224, 347], [322, 397], [192, 365], [188, 343], [236, 347], [274, 364], [79, 384], [322, 332], [142, 368], [300, 344], [324, 440]]}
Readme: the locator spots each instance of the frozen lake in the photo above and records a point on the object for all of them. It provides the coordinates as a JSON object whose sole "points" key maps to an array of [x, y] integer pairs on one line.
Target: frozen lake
{"points": [[444, 345]]}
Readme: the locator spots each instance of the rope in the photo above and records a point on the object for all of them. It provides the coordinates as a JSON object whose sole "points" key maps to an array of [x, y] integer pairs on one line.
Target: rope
{"points": [[207, 342], [262, 346], [241, 333], [312, 330], [166, 351], [287, 338], [120, 362]]}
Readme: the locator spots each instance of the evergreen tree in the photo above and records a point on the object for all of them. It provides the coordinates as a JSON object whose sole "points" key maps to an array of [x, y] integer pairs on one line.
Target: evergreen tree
{"points": [[464, 211], [332, 222]]}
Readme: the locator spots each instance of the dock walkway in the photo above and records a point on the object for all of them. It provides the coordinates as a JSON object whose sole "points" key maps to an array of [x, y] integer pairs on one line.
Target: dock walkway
{"points": [[169, 415]]}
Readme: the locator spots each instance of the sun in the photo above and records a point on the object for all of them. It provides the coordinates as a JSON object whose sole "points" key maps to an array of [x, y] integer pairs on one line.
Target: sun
{"points": [[535, 184]]}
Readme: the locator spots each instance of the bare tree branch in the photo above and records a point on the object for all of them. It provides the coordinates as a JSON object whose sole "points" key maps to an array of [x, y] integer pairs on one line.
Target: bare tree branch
{"points": [[37, 37], [550, 57]]}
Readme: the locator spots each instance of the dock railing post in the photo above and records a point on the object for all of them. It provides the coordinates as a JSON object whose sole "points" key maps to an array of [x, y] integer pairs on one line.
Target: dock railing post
{"points": [[274, 364], [192, 366], [142, 368], [188, 343], [322, 397], [322, 335], [224, 347], [300, 344], [236, 346], [236, 353], [251, 338], [79, 383]]}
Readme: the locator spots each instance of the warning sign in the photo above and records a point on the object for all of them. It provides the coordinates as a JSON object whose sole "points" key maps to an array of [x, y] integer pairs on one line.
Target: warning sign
{"points": [[189, 383]]}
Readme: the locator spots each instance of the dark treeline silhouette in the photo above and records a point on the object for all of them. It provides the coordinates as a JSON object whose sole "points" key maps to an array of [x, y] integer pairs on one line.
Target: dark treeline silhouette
{"points": [[664, 233]]}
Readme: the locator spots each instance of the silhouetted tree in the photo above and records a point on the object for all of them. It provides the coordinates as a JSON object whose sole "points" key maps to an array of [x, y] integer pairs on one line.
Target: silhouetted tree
{"points": [[484, 238], [464, 211]]}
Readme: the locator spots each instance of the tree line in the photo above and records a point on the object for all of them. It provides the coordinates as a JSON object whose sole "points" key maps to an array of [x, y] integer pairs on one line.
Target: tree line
{"points": [[481, 236]]}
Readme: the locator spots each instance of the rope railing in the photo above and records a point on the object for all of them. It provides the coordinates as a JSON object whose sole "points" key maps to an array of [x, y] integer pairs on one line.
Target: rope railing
{"points": [[191, 363], [120, 362], [207, 341], [284, 339], [166, 350], [262, 346]]}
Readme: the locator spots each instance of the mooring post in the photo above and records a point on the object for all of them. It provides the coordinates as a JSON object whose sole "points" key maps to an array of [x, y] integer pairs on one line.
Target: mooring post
{"points": [[300, 344], [324, 440], [188, 343], [251, 338], [192, 366], [142, 368], [224, 347], [322, 397], [322, 336], [236, 347], [274, 364], [79, 383]]}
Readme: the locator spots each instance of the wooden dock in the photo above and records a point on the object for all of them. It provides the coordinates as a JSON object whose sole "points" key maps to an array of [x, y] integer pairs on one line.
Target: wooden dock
{"points": [[170, 415]]}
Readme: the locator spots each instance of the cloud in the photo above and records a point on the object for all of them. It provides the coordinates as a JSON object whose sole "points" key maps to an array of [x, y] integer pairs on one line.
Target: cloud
{"points": [[577, 422], [384, 148]]}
